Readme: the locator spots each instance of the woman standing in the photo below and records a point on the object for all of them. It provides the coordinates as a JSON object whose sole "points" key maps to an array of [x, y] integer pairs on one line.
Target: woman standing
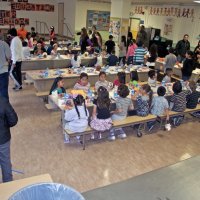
{"points": [[84, 40], [197, 49], [122, 50], [52, 33], [99, 40]]}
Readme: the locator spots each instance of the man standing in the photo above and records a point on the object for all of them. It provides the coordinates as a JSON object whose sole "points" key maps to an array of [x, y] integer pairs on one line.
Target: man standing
{"points": [[22, 31], [142, 36], [8, 118], [16, 57], [182, 47], [5, 56]]}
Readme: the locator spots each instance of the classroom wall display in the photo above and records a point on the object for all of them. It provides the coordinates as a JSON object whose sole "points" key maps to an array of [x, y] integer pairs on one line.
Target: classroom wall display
{"points": [[101, 19], [9, 17], [168, 27], [114, 28], [172, 11]]}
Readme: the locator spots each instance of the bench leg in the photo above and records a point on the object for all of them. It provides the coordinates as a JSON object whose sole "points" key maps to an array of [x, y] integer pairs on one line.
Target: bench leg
{"points": [[84, 142]]}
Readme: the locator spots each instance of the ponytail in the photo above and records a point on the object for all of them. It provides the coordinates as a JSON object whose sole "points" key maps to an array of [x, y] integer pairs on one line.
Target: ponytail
{"points": [[77, 111], [85, 107]]}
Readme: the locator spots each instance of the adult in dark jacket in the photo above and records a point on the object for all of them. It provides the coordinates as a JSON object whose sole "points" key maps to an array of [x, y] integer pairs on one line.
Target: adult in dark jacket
{"points": [[182, 47], [8, 119], [188, 66], [84, 40]]}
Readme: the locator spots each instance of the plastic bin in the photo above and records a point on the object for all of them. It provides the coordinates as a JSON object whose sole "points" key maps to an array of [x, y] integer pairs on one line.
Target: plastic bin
{"points": [[47, 191]]}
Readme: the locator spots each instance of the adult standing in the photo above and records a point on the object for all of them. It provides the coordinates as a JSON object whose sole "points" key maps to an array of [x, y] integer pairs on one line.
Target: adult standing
{"points": [[16, 57], [129, 38], [142, 36], [182, 47], [21, 32], [5, 56], [94, 29], [197, 49], [8, 119], [122, 50], [84, 40], [99, 40]]}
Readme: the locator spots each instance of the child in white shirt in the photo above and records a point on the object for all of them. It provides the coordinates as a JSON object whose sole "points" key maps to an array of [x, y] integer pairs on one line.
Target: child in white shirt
{"points": [[167, 78], [75, 61], [152, 77]]}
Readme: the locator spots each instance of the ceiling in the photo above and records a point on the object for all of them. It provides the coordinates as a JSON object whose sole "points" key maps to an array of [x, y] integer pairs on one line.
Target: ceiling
{"points": [[146, 2]]}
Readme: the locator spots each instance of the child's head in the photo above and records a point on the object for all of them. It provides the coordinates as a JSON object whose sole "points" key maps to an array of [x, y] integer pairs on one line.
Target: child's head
{"points": [[171, 50], [140, 43], [28, 35], [55, 46], [110, 37], [84, 78], [123, 91], [121, 77], [152, 74], [134, 76], [103, 100], [32, 29], [192, 86], [169, 72], [24, 44], [90, 32], [177, 87], [113, 52], [123, 39], [146, 90], [189, 54], [58, 83], [102, 76], [161, 91], [79, 101], [39, 45]]}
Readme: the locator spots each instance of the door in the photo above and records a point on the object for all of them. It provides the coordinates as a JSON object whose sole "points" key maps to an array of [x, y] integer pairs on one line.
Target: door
{"points": [[134, 26], [60, 18]]}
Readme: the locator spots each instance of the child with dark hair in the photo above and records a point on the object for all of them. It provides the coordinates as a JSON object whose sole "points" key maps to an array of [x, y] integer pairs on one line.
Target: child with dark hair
{"points": [[58, 85], [167, 78], [134, 79], [122, 50], [153, 51], [131, 51], [152, 77], [170, 60], [178, 101], [110, 45], [25, 50], [140, 52], [193, 98], [112, 59], [121, 79], [188, 66], [123, 104], [76, 117], [160, 105], [101, 119], [103, 82], [83, 83], [50, 47], [75, 61]]}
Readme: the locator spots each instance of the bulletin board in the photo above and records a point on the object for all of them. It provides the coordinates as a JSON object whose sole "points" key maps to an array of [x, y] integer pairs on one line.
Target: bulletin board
{"points": [[114, 28], [101, 19]]}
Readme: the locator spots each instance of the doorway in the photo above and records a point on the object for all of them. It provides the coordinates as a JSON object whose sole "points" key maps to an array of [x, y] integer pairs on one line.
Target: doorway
{"points": [[134, 26], [60, 18]]}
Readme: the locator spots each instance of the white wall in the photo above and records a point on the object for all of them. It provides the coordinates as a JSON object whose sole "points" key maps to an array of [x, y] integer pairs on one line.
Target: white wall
{"points": [[81, 11], [51, 18], [181, 25]]}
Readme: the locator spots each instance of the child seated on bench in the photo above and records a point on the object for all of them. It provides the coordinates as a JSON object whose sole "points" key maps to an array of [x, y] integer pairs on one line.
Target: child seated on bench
{"points": [[76, 116], [75, 61], [58, 85], [178, 102], [101, 118], [83, 83], [133, 79], [160, 106], [123, 104], [103, 82], [167, 78], [193, 99], [121, 79], [152, 77]]}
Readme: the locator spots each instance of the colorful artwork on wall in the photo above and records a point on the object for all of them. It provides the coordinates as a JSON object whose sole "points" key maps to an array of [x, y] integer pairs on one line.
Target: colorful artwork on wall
{"points": [[9, 17], [101, 19]]}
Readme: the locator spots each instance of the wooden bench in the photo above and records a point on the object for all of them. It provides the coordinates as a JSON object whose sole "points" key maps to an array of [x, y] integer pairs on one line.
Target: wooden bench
{"points": [[129, 121], [43, 95]]}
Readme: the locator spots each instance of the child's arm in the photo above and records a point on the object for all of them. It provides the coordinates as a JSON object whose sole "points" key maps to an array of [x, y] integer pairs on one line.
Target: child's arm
{"points": [[94, 112], [167, 114]]}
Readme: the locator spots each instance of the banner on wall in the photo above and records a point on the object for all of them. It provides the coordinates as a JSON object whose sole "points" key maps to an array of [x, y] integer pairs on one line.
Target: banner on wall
{"points": [[114, 28], [9, 17]]}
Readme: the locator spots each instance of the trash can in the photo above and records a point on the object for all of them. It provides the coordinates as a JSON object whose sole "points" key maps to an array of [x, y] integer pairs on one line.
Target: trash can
{"points": [[47, 191]]}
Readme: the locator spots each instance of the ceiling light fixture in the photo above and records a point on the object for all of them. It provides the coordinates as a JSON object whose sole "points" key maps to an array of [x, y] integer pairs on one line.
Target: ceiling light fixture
{"points": [[197, 1]]}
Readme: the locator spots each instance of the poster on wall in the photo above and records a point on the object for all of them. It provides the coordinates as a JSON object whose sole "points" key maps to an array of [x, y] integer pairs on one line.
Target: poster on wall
{"points": [[101, 19], [114, 28], [168, 28]]}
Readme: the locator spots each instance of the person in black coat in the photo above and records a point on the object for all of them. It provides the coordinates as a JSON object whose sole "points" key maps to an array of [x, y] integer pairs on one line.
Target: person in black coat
{"points": [[84, 40], [8, 119], [182, 47], [188, 66]]}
